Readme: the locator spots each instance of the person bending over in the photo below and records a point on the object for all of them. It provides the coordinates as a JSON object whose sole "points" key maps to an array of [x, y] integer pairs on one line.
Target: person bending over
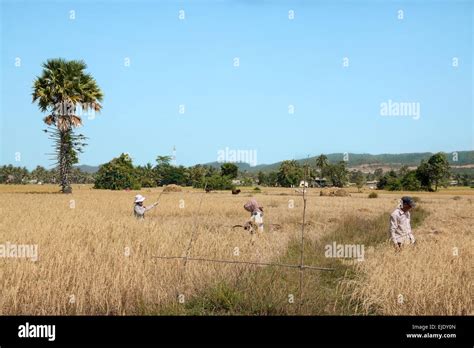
{"points": [[256, 217]]}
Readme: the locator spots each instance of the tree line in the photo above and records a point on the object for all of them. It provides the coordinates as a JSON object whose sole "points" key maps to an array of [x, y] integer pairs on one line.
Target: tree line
{"points": [[120, 173], [21, 175], [428, 176]]}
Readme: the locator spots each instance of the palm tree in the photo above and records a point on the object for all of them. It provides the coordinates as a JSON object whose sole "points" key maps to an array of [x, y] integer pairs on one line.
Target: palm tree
{"points": [[322, 162], [62, 89]]}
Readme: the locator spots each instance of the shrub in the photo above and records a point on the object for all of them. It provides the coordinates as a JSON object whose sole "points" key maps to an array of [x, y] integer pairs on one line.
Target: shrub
{"points": [[217, 182], [118, 174], [373, 195]]}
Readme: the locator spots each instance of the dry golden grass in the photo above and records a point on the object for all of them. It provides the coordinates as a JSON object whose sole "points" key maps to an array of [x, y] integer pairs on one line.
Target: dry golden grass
{"points": [[433, 277], [83, 267]]}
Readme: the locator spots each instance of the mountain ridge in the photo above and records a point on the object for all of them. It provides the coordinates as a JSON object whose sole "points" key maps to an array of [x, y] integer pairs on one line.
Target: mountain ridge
{"points": [[353, 160]]}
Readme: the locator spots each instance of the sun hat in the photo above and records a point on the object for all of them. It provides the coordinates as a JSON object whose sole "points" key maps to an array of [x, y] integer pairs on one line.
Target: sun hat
{"points": [[252, 206], [409, 201], [139, 198]]}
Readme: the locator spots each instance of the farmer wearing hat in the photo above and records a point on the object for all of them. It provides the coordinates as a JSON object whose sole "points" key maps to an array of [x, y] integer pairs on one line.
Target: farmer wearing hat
{"points": [[400, 228], [139, 209], [256, 217]]}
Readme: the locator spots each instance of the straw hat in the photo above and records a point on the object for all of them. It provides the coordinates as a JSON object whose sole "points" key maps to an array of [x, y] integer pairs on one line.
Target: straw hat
{"points": [[139, 198]]}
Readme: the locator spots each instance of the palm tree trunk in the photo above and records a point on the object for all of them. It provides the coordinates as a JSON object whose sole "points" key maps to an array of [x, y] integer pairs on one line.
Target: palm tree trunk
{"points": [[64, 160]]}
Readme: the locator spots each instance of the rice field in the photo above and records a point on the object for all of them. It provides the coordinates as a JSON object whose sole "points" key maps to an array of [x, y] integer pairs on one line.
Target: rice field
{"points": [[94, 257]]}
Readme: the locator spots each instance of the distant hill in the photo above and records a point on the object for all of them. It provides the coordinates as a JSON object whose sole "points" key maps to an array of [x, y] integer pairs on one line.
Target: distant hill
{"points": [[365, 159], [88, 169], [245, 166], [464, 158]]}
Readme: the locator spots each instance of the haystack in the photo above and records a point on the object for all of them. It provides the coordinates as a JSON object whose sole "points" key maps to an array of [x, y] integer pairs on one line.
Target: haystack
{"points": [[334, 193], [172, 188], [341, 193]]}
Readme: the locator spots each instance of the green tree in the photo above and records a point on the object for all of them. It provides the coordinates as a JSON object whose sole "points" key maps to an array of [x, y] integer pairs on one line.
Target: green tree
{"points": [[435, 171], [196, 175], [359, 179], [176, 175], [230, 170], [117, 174], [163, 160], [410, 181], [61, 90], [13, 175], [390, 181], [337, 173], [439, 169], [322, 163], [146, 175], [272, 179], [424, 176], [309, 172], [289, 174], [210, 171], [162, 170], [40, 174], [262, 178]]}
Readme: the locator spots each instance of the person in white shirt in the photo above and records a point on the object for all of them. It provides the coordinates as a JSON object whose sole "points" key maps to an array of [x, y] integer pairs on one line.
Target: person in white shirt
{"points": [[400, 227], [139, 209]]}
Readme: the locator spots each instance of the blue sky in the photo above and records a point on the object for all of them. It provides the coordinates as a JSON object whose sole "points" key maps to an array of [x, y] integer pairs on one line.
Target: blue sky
{"points": [[283, 62]]}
